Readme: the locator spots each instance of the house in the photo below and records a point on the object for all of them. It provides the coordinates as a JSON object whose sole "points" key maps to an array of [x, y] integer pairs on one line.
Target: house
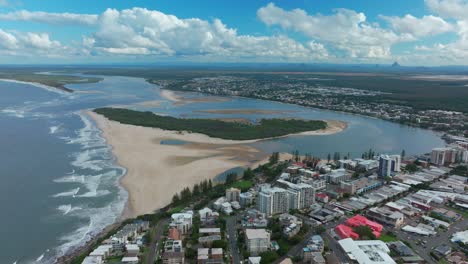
{"points": [[258, 240], [132, 249], [93, 260], [321, 197], [174, 234], [442, 251], [210, 255], [173, 258]]}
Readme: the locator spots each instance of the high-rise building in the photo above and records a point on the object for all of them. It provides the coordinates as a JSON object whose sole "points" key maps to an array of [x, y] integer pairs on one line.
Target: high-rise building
{"points": [[303, 194], [389, 164], [273, 201], [438, 156], [233, 195], [449, 155]]}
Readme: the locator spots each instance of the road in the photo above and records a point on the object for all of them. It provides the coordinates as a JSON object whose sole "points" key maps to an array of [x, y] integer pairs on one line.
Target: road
{"points": [[231, 224], [158, 230]]}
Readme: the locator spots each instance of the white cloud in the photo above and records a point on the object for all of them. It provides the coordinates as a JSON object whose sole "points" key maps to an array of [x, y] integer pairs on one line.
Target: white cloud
{"points": [[4, 3], [419, 27], [30, 44], [50, 18], [147, 32], [457, 9], [345, 30]]}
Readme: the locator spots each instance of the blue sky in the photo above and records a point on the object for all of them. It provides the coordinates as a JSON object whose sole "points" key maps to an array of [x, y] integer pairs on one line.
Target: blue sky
{"points": [[416, 32]]}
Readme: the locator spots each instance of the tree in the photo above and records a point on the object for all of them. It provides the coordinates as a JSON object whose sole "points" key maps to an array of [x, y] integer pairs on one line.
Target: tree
{"points": [[268, 257], [219, 244], [411, 168], [248, 174], [274, 158], [364, 232], [210, 184], [320, 229], [388, 179], [175, 198], [231, 178], [196, 189]]}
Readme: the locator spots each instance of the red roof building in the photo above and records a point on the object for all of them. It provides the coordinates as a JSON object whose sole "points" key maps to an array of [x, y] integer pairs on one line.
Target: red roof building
{"points": [[359, 220], [344, 231], [174, 234]]}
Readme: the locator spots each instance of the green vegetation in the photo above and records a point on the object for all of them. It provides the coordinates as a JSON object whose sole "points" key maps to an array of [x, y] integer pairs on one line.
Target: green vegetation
{"points": [[242, 185], [268, 257], [215, 128], [388, 237], [460, 170], [364, 232]]}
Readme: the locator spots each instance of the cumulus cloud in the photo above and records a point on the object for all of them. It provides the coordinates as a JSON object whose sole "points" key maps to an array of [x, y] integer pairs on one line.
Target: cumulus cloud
{"points": [[419, 27], [346, 30], [50, 18], [30, 44], [449, 8], [140, 31]]}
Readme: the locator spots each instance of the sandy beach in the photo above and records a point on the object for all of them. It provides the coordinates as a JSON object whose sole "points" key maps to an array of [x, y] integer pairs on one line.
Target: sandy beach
{"points": [[177, 99], [155, 171]]}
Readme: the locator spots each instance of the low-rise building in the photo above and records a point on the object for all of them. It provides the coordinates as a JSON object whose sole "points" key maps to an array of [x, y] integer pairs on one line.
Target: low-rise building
{"points": [[258, 240], [210, 255], [182, 221], [385, 216], [291, 224], [366, 251]]}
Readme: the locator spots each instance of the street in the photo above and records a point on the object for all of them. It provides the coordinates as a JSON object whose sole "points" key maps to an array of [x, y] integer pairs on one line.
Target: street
{"points": [[231, 223], [158, 231]]}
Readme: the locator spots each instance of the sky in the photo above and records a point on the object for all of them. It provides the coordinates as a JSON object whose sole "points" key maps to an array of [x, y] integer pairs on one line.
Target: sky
{"points": [[412, 32]]}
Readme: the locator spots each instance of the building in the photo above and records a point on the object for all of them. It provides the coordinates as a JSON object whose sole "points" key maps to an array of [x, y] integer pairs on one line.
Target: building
{"points": [[449, 155], [313, 257], [385, 216], [273, 200], [182, 221], [210, 255], [366, 251], [322, 197], [258, 240], [336, 176], [301, 195], [173, 258], [246, 199], [92, 260], [359, 220], [360, 185], [233, 195], [389, 164], [207, 215], [291, 224], [405, 253]]}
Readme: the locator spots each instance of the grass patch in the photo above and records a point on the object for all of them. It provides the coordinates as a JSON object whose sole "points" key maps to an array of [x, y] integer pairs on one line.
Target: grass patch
{"points": [[388, 238], [243, 185]]}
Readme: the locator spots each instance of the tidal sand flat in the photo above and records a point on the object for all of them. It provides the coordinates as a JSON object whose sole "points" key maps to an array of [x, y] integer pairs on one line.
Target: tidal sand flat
{"points": [[155, 171], [177, 99]]}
